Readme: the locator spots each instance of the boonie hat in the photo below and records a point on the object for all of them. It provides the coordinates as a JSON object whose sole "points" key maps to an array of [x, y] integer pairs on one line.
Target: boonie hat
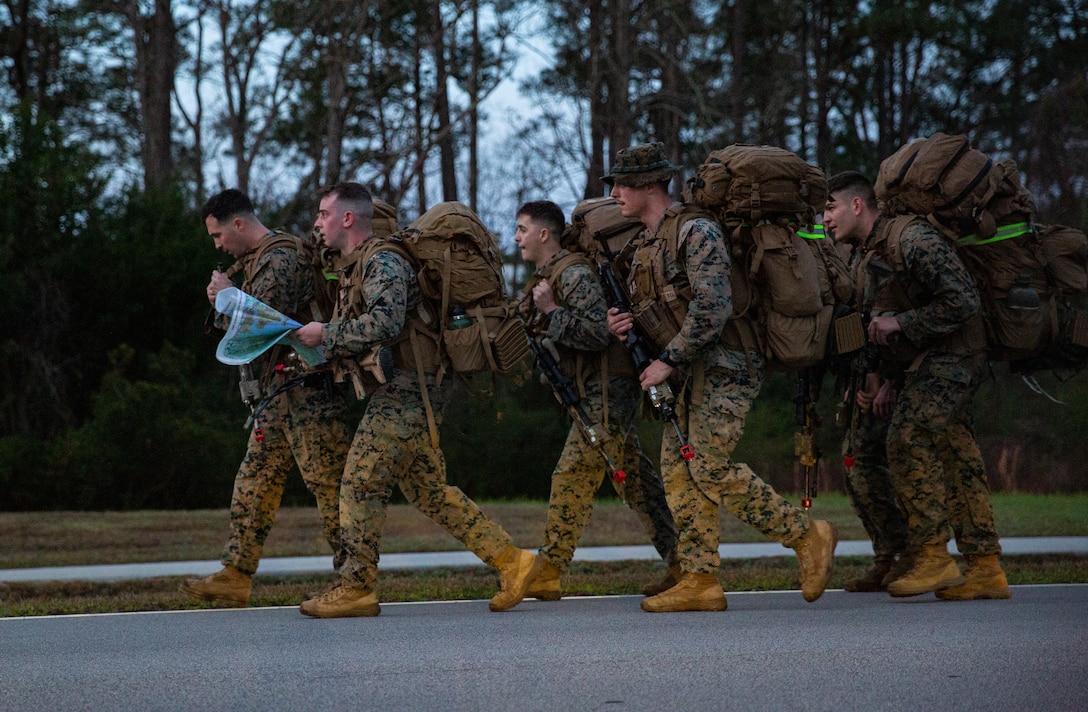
{"points": [[641, 165]]}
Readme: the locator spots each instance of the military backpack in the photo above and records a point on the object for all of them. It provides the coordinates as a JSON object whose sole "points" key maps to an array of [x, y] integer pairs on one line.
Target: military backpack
{"points": [[1032, 279], [789, 281]]}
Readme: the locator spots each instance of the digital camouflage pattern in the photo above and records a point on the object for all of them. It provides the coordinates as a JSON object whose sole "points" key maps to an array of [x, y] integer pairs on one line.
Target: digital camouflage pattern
{"points": [[936, 467], [580, 325], [392, 443], [703, 261], [718, 387], [392, 446], [868, 482], [941, 293], [697, 489], [869, 486], [303, 425]]}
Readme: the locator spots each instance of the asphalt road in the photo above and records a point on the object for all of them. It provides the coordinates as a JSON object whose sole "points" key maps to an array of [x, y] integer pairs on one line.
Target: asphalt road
{"points": [[769, 651]]}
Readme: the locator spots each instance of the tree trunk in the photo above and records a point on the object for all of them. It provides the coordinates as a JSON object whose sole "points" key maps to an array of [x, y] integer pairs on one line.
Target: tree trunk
{"points": [[442, 106], [156, 63]]}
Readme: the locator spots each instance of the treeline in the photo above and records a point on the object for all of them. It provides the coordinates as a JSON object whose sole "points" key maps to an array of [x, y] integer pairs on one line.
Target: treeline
{"points": [[117, 119]]}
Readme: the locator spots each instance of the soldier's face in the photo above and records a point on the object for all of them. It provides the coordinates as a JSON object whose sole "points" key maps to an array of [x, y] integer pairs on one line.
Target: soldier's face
{"points": [[529, 236], [330, 223], [227, 236], [631, 199], [841, 216]]}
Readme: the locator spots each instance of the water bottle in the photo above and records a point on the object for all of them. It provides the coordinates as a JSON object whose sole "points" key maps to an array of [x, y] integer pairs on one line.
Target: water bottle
{"points": [[458, 319]]}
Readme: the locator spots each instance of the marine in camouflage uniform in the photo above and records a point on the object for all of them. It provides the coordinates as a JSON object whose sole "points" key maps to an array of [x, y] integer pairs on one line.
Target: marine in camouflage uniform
{"points": [[852, 216], [393, 444], [716, 386], [304, 425], [929, 320], [576, 326]]}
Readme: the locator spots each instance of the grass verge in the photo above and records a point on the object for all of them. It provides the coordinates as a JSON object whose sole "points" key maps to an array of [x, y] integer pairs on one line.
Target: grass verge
{"points": [[83, 538]]}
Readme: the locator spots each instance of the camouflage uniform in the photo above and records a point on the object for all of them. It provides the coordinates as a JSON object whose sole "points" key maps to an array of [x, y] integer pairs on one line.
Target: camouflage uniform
{"points": [[579, 330], [304, 425], [718, 387], [935, 463], [868, 482], [392, 444]]}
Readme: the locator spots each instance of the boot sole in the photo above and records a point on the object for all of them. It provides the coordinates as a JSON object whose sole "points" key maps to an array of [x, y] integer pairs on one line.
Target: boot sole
{"points": [[551, 596], [901, 592], [708, 607], [212, 598], [980, 596], [366, 612]]}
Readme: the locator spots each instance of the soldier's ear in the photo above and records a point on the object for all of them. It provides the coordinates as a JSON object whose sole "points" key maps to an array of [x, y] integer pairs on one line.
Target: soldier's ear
{"points": [[349, 218]]}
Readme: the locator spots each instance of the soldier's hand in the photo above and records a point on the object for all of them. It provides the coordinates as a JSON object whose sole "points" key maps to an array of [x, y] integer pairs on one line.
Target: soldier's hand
{"points": [[544, 298], [620, 323], [884, 403], [309, 335], [655, 374], [217, 284], [881, 329]]}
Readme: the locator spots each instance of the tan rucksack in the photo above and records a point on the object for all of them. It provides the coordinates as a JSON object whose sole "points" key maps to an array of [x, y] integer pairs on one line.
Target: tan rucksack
{"points": [[787, 276], [1031, 279], [942, 178], [600, 221], [750, 182], [460, 273], [1009, 268]]}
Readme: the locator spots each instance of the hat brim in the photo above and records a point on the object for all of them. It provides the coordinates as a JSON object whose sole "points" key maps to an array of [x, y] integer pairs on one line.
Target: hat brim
{"points": [[635, 179]]}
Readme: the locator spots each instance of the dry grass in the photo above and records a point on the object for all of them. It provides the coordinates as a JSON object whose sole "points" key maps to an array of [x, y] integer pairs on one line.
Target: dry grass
{"points": [[74, 538], [83, 538]]}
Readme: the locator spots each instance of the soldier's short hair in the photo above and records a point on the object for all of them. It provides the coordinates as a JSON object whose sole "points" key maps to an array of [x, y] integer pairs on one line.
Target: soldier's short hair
{"points": [[546, 214], [853, 184], [355, 198], [226, 205]]}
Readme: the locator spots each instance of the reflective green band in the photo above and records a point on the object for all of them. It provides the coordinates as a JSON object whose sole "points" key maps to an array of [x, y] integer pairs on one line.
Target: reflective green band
{"points": [[816, 234], [1005, 232]]}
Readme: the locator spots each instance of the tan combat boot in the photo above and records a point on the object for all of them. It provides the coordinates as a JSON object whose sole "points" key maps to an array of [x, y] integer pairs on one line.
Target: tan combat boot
{"points": [[543, 581], [228, 587], [934, 569], [873, 579], [816, 556], [672, 577], [984, 579], [694, 592], [514, 567], [899, 569], [343, 601]]}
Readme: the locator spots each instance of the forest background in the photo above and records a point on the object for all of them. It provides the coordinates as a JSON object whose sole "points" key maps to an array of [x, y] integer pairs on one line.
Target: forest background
{"points": [[120, 117]]}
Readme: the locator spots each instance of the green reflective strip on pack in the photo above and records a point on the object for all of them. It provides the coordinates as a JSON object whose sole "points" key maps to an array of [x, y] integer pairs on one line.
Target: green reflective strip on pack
{"points": [[817, 233], [331, 276], [1005, 232]]}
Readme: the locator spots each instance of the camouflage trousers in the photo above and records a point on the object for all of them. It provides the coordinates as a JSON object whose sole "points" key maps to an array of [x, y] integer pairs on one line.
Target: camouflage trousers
{"points": [[304, 426], [936, 466], [869, 485], [696, 489], [392, 446], [578, 474]]}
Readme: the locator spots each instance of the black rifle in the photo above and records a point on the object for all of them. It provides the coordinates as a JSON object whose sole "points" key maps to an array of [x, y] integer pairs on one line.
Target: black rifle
{"points": [[565, 392], [661, 395], [805, 447], [865, 362]]}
